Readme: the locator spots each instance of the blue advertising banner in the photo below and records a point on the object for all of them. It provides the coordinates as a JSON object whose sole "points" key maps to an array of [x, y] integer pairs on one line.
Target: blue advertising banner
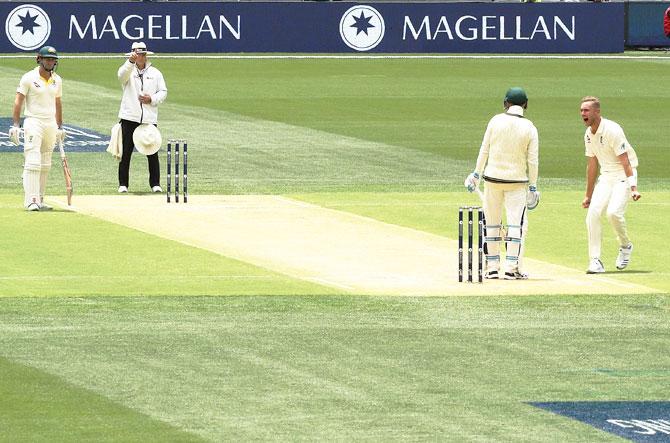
{"points": [[639, 421], [645, 24], [315, 27]]}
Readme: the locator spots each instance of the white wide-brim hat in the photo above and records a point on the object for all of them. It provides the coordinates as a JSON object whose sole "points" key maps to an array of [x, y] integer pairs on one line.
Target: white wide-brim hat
{"points": [[139, 48], [147, 139]]}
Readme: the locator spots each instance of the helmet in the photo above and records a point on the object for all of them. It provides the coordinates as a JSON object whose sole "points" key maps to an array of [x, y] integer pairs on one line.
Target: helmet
{"points": [[516, 96], [48, 52]]}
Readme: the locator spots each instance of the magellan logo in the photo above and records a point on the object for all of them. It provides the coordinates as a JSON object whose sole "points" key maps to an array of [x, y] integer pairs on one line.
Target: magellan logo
{"points": [[28, 27], [362, 27]]}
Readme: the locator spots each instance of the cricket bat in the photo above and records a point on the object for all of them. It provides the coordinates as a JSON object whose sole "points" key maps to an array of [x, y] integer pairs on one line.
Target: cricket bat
{"points": [[66, 173]]}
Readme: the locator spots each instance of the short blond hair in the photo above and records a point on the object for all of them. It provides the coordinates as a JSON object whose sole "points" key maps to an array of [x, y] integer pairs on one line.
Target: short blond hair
{"points": [[592, 99]]}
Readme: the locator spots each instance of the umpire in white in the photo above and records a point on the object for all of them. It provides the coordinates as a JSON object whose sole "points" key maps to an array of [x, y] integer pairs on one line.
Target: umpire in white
{"points": [[508, 163], [607, 147], [143, 90]]}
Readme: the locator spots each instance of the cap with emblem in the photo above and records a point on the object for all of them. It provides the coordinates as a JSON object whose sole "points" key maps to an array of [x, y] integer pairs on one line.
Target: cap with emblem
{"points": [[516, 96], [48, 52], [139, 48]]}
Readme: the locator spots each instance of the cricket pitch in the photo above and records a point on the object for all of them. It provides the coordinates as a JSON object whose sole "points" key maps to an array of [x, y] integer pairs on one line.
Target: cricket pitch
{"points": [[355, 254]]}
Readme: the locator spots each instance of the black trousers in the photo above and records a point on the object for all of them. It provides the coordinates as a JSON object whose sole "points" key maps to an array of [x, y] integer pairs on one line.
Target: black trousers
{"points": [[127, 128]]}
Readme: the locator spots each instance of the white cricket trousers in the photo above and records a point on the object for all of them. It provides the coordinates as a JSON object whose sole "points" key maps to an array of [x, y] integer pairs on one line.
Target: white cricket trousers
{"points": [[610, 196], [513, 197], [39, 141]]}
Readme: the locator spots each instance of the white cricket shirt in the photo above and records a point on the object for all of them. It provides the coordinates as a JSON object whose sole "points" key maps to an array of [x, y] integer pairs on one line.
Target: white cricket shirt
{"points": [[606, 145], [510, 149], [40, 93]]}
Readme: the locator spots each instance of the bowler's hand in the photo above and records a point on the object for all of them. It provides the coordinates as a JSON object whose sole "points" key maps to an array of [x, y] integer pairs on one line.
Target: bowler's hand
{"points": [[635, 195], [145, 99], [586, 202], [14, 133]]}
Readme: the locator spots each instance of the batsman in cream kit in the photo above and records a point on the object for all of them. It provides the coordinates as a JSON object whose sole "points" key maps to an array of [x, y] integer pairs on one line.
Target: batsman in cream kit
{"points": [[40, 90]]}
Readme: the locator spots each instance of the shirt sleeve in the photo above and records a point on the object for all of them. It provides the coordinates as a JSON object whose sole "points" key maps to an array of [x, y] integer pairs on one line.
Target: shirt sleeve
{"points": [[533, 157], [59, 89], [484, 151], [124, 72], [24, 85], [161, 90], [619, 143], [587, 146]]}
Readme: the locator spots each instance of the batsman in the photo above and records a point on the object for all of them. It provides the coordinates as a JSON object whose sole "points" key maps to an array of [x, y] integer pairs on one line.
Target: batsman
{"points": [[41, 90], [508, 163]]}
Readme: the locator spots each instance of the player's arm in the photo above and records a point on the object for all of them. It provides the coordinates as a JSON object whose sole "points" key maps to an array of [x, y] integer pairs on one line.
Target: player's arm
{"points": [[591, 174], [59, 112], [630, 175], [18, 106]]}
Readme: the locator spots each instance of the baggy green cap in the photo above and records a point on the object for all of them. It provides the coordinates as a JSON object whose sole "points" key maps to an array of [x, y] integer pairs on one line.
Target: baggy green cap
{"points": [[48, 52], [516, 96]]}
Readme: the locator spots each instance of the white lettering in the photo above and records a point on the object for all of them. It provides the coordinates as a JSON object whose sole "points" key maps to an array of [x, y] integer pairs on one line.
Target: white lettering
{"points": [[518, 29], [408, 23], [652, 424], [152, 26], [502, 30], [630, 424], [184, 29], [486, 27], [109, 26], [473, 30], [443, 26], [168, 29], [540, 24], [237, 33], [210, 28], [570, 33], [138, 29], [82, 34]]}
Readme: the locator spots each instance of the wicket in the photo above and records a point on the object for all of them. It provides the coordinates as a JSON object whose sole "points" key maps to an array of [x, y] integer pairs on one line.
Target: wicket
{"points": [[177, 143], [480, 242]]}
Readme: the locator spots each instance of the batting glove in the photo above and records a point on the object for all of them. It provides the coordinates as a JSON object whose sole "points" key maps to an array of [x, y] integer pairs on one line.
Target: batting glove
{"points": [[472, 182], [60, 135], [14, 134], [533, 197]]}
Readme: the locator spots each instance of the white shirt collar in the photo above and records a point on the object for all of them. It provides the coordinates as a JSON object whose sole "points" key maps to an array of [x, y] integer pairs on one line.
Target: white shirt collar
{"points": [[515, 110]]}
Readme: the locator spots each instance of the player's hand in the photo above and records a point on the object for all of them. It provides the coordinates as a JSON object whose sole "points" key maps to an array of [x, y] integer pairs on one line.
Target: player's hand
{"points": [[635, 195], [60, 135], [132, 57], [472, 182], [586, 202], [146, 99], [14, 134], [532, 198]]}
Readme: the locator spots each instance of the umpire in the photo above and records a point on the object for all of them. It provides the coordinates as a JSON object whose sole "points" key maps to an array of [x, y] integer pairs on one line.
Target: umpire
{"points": [[143, 90]]}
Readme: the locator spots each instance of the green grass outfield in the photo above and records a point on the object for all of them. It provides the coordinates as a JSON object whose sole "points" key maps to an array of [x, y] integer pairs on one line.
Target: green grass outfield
{"points": [[107, 333]]}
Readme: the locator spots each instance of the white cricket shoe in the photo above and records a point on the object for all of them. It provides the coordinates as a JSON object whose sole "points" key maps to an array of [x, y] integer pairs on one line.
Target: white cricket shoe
{"points": [[33, 207], [595, 267], [123, 189], [623, 258], [156, 189]]}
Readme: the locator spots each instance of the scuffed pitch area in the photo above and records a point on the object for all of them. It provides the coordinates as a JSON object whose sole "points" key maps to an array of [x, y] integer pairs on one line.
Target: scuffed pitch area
{"points": [[334, 248]]}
